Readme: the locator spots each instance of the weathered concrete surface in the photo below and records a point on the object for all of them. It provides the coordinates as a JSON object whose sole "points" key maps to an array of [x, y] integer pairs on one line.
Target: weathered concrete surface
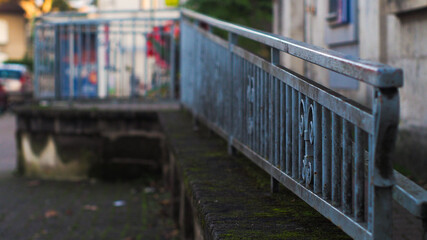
{"points": [[45, 210], [77, 142], [7, 144], [230, 195]]}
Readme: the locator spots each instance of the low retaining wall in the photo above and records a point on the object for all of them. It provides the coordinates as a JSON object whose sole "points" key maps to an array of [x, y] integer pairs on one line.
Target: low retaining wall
{"points": [[217, 196], [74, 144]]}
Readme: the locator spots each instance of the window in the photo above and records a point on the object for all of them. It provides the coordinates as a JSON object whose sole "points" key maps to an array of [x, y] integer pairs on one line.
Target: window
{"points": [[4, 32], [338, 12]]}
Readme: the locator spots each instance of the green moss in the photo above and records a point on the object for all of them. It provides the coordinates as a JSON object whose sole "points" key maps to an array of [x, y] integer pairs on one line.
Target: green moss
{"points": [[214, 154]]}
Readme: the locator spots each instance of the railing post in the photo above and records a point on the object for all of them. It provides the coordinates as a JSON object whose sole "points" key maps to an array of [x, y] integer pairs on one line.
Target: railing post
{"points": [[386, 115], [232, 40], [274, 184]]}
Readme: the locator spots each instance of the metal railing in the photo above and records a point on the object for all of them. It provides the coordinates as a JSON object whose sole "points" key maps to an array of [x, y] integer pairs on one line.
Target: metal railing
{"points": [[106, 54], [330, 151]]}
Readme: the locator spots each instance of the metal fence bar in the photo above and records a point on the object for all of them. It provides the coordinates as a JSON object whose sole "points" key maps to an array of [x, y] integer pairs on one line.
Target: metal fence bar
{"points": [[336, 160], [316, 135], [326, 154], [346, 172], [359, 175], [289, 130], [295, 133]]}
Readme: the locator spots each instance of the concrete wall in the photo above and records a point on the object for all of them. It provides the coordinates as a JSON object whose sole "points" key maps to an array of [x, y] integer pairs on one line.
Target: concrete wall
{"points": [[16, 46], [77, 144]]}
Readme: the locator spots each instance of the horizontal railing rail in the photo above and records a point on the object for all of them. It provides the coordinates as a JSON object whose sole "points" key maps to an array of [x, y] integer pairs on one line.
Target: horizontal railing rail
{"points": [[330, 151], [373, 73]]}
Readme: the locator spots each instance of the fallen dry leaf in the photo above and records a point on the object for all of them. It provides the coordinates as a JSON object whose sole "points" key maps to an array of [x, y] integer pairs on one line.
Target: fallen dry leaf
{"points": [[172, 234], [165, 202], [69, 212], [50, 214], [90, 207], [33, 183]]}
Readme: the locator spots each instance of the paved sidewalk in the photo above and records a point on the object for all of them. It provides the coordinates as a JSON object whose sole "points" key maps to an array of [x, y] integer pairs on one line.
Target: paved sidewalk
{"points": [[32, 209]]}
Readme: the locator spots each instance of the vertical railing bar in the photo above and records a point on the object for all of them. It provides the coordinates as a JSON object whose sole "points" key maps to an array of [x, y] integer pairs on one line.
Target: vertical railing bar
{"points": [[282, 127], [317, 148], [359, 175], [250, 106], [145, 36], [288, 139], [326, 153], [244, 100], [133, 83], [346, 189], [87, 50], [241, 96], [257, 109], [301, 113], [80, 57], [370, 217], [36, 52], [273, 118], [295, 133], [260, 114], [336, 159], [276, 122], [172, 62], [264, 114], [96, 59], [71, 30]]}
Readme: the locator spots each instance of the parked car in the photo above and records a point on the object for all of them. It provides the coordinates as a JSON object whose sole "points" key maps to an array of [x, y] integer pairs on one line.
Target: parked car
{"points": [[16, 82], [3, 99]]}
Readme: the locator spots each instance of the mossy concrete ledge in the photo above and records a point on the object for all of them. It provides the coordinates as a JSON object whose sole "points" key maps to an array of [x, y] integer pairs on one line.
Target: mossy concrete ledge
{"points": [[218, 196]]}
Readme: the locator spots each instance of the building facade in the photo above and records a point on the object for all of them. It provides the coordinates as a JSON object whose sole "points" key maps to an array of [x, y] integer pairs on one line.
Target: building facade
{"points": [[13, 38], [393, 32]]}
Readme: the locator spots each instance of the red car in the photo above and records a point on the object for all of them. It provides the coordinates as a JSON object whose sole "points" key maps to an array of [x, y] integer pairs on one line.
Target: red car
{"points": [[16, 82]]}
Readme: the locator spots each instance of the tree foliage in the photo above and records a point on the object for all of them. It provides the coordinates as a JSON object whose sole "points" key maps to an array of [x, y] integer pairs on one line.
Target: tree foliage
{"points": [[251, 13]]}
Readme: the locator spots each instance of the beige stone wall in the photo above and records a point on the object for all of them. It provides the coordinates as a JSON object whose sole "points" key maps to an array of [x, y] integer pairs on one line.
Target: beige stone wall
{"points": [[407, 44], [385, 35], [16, 46]]}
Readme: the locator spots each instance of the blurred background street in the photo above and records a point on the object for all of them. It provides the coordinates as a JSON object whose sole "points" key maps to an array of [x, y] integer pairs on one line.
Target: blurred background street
{"points": [[92, 209]]}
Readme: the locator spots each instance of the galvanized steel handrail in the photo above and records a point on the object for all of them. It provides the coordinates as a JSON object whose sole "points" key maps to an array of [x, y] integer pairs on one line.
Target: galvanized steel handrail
{"points": [[373, 73], [410, 196], [306, 136]]}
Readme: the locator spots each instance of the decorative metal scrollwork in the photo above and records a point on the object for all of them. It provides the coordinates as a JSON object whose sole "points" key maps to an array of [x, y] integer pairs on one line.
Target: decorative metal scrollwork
{"points": [[306, 126]]}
